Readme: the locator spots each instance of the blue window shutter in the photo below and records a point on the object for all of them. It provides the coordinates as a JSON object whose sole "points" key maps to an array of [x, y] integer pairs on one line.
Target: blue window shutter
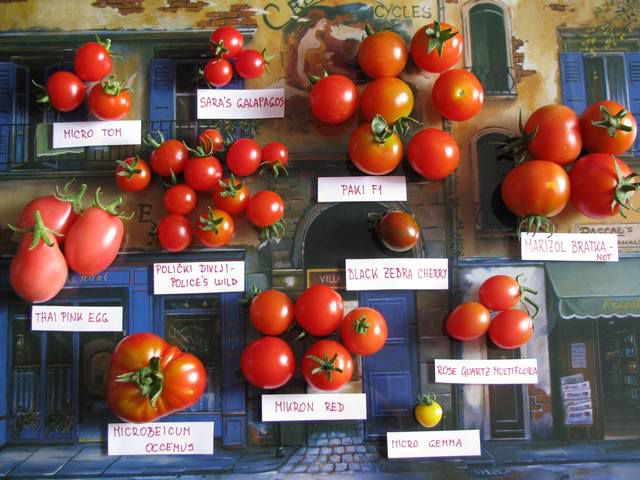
{"points": [[162, 96], [633, 83], [574, 92], [7, 110]]}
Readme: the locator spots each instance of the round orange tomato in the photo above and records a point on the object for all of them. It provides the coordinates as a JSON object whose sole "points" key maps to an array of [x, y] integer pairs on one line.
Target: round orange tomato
{"points": [[383, 54], [388, 96], [271, 312], [457, 94], [215, 228], [607, 127], [363, 331], [468, 321], [374, 148], [432, 153], [436, 47]]}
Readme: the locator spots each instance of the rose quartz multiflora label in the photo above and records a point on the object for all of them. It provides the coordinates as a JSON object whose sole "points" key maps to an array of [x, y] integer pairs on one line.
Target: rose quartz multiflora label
{"points": [[97, 134], [314, 406], [239, 104], [362, 189], [487, 372], [198, 277], [581, 247], [446, 443], [160, 438], [76, 319]]}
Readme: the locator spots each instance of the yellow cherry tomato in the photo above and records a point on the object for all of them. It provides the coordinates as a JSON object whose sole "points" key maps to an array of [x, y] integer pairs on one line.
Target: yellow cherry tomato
{"points": [[428, 412]]}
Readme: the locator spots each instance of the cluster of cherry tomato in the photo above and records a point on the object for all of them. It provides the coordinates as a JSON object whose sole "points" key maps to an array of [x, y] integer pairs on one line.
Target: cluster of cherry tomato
{"points": [[269, 362], [510, 328], [108, 99], [227, 46], [598, 184], [58, 235]]}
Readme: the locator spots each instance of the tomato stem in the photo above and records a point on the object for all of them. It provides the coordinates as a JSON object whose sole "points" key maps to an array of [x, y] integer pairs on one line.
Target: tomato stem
{"points": [[211, 222], [74, 198], [218, 48], [275, 230], [380, 129], [313, 79], [113, 207], [232, 188], [325, 365], [535, 224], [524, 298], [438, 37], [624, 190], [612, 123], [427, 399], [368, 30], [149, 379], [361, 325], [129, 170], [152, 142], [40, 231]]}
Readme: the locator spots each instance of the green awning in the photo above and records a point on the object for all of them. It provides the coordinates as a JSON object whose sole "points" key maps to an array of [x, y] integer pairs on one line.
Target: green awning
{"points": [[595, 290]]}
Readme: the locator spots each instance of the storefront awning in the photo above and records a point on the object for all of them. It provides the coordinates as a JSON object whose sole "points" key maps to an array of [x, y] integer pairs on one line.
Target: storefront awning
{"points": [[595, 290]]}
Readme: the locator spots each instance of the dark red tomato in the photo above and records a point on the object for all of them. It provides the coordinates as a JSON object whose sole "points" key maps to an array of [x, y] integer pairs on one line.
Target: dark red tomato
{"points": [[275, 155], [58, 211], [38, 271], [398, 230], [268, 363], [388, 96], [319, 310], [214, 228], [211, 139], [95, 237], [168, 157], [265, 208], [511, 329], [374, 148], [436, 47], [333, 99], [202, 173], [327, 365], [363, 331], [65, 91], [244, 157], [499, 292], [226, 42], [558, 137], [536, 188], [109, 100], [607, 127], [271, 312], [250, 63], [174, 233], [432, 153], [231, 195], [132, 174], [218, 72], [180, 199], [457, 95], [383, 54], [92, 61], [597, 189], [468, 321]]}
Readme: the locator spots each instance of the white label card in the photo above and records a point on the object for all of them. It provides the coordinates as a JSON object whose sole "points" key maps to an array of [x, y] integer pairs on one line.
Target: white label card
{"points": [[582, 247], [198, 277], [397, 274], [97, 134], [238, 104], [445, 443], [362, 189], [314, 406], [487, 372], [158, 438], [76, 319]]}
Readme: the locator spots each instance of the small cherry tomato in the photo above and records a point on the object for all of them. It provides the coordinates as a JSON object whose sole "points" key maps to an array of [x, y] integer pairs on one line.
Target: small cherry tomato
{"points": [[251, 63], [92, 61], [211, 139], [333, 99], [265, 210], [64, 90], [174, 233], [132, 174], [327, 365], [202, 173], [607, 127], [319, 310], [363, 331], [109, 100], [180, 199], [168, 157], [398, 230], [244, 157], [226, 42], [511, 329], [218, 72], [214, 228], [436, 47], [557, 134], [432, 153], [468, 321], [428, 412], [268, 363], [231, 195], [383, 54], [271, 312], [275, 155], [375, 148], [457, 95], [388, 96]]}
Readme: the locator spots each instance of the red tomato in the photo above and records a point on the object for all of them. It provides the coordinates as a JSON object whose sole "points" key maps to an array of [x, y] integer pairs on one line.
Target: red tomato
{"points": [[436, 47], [226, 42], [38, 271], [150, 379], [168, 157], [58, 211], [598, 190], [319, 310], [109, 100], [468, 321], [374, 148], [271, 312], [64, 90], [132, 174], [383, 54], [94, 239], [557, 138], [211, 139], [202, 172], [244, 157], [333, 99], [432, 153], [363, 331], [607, 127], [276, 155], [388, 96], [215, 228], [327, 365], [268, 363], [250, 63], [174, 233], [511, 329], [499, 292], [92, 61], [218, 72], [265, 210], [457, 95], [180, 199], [398, 230], [231, 195]]}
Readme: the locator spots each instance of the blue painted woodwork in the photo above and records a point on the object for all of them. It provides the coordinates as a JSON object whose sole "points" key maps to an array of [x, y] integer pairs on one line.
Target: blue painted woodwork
{"points": [[233, 387], [162, 96], [7, 110], [390, 376], [574, 93], [633, 84], [4, 366]]}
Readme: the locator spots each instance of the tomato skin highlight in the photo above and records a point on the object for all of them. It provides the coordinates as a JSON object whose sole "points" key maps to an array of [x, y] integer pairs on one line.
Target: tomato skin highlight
{"points": [[432, 153], [457, 95], [383, 54], [174, 233], [65, 91], [92, 62], [184, 378], [105, 106], [333, 99], [202, 173], [268, 363], [558, 138], [319, 310], [232, 40], [271, 312], [468, 321], [511, 329], [434, 62], [363, 331], [250, 64], [225, 227], [398, 231], [180, 199], [137, 181], [372, 157], [597, 140], [499, 292], [327, 349], [265, 208], [218, 72], [169, 156], [388, 96], [234, 203], [244, 157]]}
